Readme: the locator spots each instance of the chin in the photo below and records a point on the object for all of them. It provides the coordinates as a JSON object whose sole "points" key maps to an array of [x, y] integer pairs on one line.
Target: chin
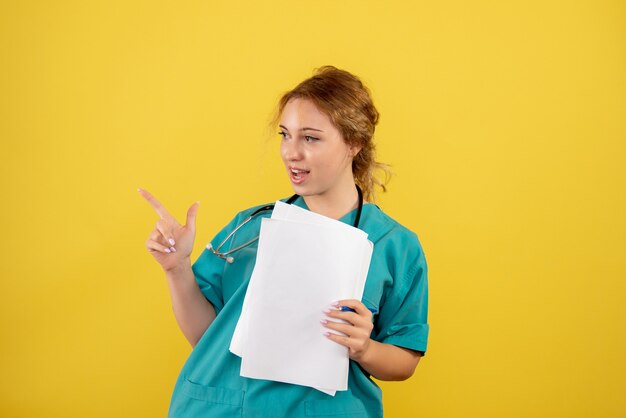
{"points": [[302, 190]]}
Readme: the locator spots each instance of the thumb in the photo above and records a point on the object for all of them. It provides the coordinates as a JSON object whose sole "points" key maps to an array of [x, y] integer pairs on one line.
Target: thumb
{"points": [[191, 215]]}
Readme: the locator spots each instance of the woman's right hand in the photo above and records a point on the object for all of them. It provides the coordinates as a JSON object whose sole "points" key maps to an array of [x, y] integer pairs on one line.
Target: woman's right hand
{"points": [[170, 243]]}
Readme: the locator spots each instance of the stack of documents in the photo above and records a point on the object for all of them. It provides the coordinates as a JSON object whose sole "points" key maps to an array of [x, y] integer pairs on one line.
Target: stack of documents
{"points": [[305, 261]]}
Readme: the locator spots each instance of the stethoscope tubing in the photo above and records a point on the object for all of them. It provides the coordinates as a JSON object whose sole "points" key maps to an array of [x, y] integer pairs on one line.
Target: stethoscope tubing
{"points": [[228, 258]]}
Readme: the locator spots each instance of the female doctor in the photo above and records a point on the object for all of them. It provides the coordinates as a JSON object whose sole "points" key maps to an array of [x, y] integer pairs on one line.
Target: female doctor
{"points": [[326, 125]]}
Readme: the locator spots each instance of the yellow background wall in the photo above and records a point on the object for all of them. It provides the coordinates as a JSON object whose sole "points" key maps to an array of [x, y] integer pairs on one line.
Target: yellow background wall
{"points": [[505, 123]]}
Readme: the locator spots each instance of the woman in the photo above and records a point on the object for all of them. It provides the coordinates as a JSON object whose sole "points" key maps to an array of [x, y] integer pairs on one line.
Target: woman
{"points": [[326, 126]]}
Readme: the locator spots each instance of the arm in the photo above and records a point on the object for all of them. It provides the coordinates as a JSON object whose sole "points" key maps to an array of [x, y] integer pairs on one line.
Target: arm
{"points": [[389, 362], [383, 361], [193, 312]]}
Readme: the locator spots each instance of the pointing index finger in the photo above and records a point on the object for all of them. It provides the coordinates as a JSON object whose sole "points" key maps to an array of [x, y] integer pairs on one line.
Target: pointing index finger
{"points": [[158, 207]]}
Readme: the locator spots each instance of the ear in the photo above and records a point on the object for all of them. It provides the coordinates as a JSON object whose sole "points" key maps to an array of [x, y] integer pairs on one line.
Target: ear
{"points": [[354, 150]]}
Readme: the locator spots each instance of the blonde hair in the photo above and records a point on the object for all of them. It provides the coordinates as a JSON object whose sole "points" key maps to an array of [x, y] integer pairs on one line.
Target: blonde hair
{"points": [[348, 103]]}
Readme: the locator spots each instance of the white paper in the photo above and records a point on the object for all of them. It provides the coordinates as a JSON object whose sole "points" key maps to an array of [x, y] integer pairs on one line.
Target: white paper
{"points": [[304, 262], [284, 211], [295, 213]]}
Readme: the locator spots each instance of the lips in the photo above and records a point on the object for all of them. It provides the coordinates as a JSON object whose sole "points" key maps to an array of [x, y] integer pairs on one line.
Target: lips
{"points": [[298, 175]]}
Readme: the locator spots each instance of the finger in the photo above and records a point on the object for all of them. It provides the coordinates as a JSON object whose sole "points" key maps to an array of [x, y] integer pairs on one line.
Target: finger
{"points": [[153, 246], [357, 305], [191, 216], [360, 317], [165, 229], [156, 205], [340, 339], [158, 237], [351, 317], [360, 325], [346, 329]]}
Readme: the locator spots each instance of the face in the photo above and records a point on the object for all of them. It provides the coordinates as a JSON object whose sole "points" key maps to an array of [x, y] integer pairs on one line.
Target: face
{"points": [[317, 159]]}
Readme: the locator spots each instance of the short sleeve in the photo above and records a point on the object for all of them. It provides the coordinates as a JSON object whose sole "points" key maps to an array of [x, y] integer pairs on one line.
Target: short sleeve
{"points": [[403, 318], [208, 269]]}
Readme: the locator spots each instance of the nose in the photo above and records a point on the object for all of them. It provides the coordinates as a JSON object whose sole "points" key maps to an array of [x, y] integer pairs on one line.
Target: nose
{"points": [[291, 150]]}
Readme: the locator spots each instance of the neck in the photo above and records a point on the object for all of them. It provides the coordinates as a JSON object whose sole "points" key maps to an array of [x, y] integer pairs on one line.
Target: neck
{"points": [[336, 203]]}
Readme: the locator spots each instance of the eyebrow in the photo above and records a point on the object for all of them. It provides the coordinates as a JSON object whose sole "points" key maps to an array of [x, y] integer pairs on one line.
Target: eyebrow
{"points": [[303, 129]]}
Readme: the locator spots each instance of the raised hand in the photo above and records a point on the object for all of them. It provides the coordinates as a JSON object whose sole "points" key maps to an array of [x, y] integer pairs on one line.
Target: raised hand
{"points": [[170, 243]]}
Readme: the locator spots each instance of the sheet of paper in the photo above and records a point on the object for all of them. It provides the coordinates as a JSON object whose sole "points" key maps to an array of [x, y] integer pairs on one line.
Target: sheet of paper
{"points": [[287, 212], [247, 335], [295, 213], [307, 267]]}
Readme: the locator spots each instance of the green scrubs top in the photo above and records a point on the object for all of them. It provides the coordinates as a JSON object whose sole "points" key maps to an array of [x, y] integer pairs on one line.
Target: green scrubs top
{"points": [[209, 384]]}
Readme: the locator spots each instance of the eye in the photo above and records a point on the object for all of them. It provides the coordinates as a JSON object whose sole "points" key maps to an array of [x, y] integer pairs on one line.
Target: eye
{"points": [[309, 138], [282, 133]]}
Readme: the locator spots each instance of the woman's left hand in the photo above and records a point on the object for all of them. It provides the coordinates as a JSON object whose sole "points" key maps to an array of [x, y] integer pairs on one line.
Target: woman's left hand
{"points": [[357, 330]]}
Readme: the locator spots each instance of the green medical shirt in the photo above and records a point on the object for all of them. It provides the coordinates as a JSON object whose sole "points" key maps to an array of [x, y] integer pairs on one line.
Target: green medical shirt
{"points": [[209, 384]]}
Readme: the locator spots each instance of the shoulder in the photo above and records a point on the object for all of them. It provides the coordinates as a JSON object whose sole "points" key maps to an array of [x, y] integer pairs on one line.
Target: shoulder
{"points": [[382, 227], [393, 241]]}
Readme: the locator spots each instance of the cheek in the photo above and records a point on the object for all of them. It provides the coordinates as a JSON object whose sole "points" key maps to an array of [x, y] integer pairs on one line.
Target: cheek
{"points": [[335, 162]]}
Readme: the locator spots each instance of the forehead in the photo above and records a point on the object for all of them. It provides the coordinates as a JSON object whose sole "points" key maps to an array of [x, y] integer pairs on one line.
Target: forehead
{"points": [[303, 112]]}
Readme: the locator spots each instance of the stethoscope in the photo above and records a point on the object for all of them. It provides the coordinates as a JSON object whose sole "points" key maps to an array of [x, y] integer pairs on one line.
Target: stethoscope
{"points": [[230, 259]]}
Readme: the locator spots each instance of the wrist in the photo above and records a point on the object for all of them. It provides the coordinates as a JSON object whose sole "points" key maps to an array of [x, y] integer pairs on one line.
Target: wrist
{"points": [[183, 266], [366, 357]]}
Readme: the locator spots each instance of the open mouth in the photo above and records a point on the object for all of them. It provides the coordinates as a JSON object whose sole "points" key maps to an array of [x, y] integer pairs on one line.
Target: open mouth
{"points": [[298, 175]]}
